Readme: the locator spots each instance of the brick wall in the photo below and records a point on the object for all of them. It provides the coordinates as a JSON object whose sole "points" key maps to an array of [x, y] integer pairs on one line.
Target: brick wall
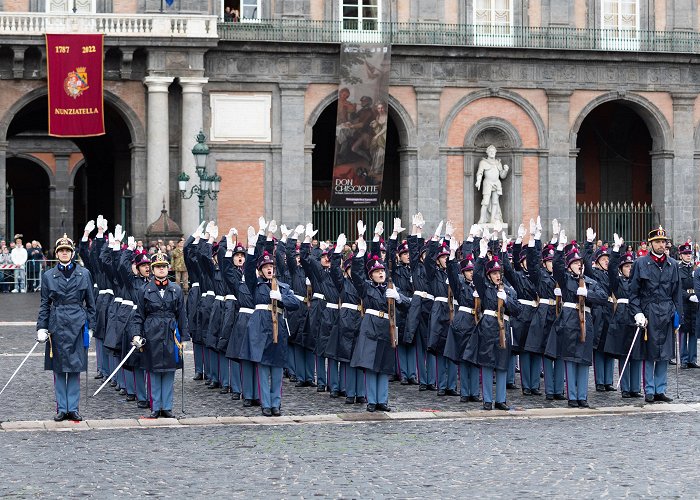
{"points": [[242, 197], [16, 6]]}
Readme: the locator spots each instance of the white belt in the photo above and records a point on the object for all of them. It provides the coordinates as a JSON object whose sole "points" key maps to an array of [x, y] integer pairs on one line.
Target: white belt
{"points": [[548, 302], [230, 297], [611, 300], [623, 301], [127, 302], [194, 284], [106, 290], [267, 307], [441, 299], [424, 295], [210, 292], [118, 299], [300, 297], [531, 303], [246, 310], [489, 312], [379, 314], [319, 296], [347, 305], [332, 305], [466, 309], [219, 297], [573, 305]]}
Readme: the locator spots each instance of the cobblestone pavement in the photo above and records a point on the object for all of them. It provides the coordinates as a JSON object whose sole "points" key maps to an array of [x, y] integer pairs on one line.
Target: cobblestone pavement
{"points": [[645, 455], [30, 395]]}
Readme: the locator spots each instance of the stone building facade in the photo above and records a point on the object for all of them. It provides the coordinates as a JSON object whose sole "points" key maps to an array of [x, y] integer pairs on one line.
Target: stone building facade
{"points": [[532, 78]]}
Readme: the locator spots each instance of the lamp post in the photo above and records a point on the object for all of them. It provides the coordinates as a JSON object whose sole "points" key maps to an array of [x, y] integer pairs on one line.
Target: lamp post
{"points": [[209, 185]]}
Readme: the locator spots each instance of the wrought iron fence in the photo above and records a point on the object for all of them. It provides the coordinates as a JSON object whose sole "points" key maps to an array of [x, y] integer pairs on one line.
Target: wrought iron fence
{"points": [[529, 37], [331, 221], [632, 221]]}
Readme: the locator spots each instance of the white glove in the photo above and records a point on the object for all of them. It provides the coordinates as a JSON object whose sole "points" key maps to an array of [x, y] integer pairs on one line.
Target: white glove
{"points": [[502, 295], [340, 244], [131, 243], [137, 341], [90, 333], [617, 242], [556, 227], [199, 232], [438, 230], [472, 230], [640, 320], [475, 294], [272, 227], [310, 233], [562, 240], [275, 295], [89, 226], [284, 231], [361, 228], [110, 240], [42, 335], [693, 298], [118, 233], [213, 232], [421, 221], [449, 229], [557, 292], [506, 240], [533, 228], [298, 231], [582, 291], [590, 235], [251, 236], [479, 231], [498, 227], [100, 224], [262, 225], [323, 245], [454, 245], [362, 246], [379, 228], [397, 226], [483, 247], [522, 231], [416, 219], [392, 293]]}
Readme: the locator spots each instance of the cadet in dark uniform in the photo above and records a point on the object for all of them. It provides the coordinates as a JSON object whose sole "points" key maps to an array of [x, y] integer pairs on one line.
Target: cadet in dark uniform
{"points": [[66, 318], [193, 297], [160, 329], [688, 339], [655, 298]]}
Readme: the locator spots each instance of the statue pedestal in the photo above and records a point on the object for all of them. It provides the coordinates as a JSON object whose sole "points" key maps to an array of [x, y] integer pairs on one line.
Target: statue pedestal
{"points": [[490, 226]]}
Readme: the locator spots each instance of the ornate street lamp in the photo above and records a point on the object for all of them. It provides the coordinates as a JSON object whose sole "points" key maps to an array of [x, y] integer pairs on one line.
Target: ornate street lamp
{"points": [[209, 185]]}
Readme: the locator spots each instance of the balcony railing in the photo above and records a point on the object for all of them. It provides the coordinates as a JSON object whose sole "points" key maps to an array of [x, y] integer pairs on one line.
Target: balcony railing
{"points": [[131, 25], [292, 30]]}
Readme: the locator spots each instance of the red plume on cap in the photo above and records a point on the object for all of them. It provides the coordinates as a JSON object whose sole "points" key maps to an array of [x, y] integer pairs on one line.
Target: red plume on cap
{"points": [[495, 258], [375, 257]]}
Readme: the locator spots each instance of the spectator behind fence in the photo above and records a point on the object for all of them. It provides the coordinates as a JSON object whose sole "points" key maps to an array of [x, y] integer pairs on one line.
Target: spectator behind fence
{"points": [[35, 267], [19, 258], [7, 276], [178, 263]]}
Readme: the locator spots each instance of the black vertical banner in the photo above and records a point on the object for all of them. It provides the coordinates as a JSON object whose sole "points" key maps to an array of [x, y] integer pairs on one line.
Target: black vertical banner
{"points": [[360, 134]]}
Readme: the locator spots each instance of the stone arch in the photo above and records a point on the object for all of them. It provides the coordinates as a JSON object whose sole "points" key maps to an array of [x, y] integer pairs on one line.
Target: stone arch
{"points": [[508, 95], [78, 165], [654, 119], [493, 123], [47, 170]]}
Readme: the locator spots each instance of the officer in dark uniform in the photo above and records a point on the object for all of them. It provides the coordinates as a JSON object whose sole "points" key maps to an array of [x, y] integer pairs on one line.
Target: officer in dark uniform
{"points": [[160, 329], [66, 318], [656, 296], [688, 339]]}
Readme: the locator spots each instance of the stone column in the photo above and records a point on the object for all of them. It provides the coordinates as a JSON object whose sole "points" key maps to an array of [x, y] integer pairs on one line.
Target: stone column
{"points": [[138, 222], [157, 149], [683, 178], [291, 181], [558, 181], [427, 188], [3, 191], [192, 123], [61, 199]]}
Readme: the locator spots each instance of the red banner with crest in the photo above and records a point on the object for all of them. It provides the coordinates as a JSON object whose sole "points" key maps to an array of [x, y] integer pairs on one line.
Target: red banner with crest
{"points": [[74, 72]]}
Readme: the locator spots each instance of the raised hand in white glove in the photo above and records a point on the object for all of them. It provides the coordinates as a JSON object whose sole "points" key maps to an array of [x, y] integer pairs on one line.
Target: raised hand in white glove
{"points": [[251, 236], [505, 241], [438, 230], [582, 291], [272, 227], [310, 231], [361, 228], [101, 224], [617, 242], [522, 231], [449, 229], [262, 225], [483, 247], [119, 233], [472, 230], [640, 320], [562, 240], [421, 221], [392, 293], [556, 227], [340, 244], [379, 228], [284, 231], [89, 227], [693, 298], [590, 235], [199, 232], [498, 227], [397, 226], [131, 243], [361, 246], [275, 295], [502, 295], [454, 246], [323, 245], [138, 341], [557, 292], [298, 231], [42, 335]]}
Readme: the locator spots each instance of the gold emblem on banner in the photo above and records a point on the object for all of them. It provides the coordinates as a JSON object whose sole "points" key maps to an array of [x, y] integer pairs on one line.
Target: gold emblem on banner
{"points": [[76, 82]]}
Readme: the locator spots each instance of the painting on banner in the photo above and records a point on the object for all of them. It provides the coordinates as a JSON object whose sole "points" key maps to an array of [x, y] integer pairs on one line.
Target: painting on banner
{"points": [[75, 80], [361, 124]]}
